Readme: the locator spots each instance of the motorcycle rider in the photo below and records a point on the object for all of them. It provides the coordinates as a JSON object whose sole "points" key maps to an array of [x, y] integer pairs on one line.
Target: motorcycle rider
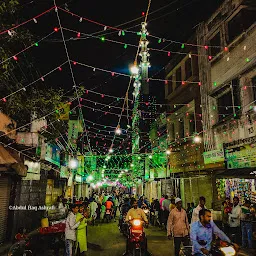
{"points": [[125, 207], [202, 234], [136, 213]]}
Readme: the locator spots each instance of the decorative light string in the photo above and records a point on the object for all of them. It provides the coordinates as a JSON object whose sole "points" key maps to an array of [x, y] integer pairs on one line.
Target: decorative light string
{"points": [[37, 80], [25, 49], [25, 22]]}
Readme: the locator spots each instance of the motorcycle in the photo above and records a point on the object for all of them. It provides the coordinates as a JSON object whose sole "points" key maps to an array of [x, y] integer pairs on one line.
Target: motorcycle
{"points": [[219, 248], [20, 248], [108, 215], [137, 241], [123, 225]]}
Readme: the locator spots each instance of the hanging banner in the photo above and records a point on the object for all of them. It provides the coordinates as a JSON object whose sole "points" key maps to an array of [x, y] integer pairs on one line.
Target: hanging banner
{"points": [[52, 154], [33, 172], [74, 128]]}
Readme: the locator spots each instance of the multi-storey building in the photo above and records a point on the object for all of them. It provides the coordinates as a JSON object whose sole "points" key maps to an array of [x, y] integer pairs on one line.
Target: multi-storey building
{"points": [[227, 72]]}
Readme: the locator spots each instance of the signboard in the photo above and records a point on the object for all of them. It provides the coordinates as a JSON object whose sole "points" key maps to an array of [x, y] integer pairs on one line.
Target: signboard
{"points": [[74, 127], [64, 173], [214, 156], [241, 157], [33, 172], [52, 154], [80, 169]]}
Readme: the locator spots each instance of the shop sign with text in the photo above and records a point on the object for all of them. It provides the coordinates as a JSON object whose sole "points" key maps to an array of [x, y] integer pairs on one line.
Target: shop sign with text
{"points": [[214, 156], [241, 157]]}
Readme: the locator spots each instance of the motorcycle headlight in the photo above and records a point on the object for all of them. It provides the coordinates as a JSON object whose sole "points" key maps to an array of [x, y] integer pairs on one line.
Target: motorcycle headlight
{"points": [[136, 222], [228, 251]]}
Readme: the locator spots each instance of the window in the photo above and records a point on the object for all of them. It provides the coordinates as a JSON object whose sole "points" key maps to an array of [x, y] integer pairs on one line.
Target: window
{"points": [[240, 23], [188, 68], [170, 90], [192, 126], [225, 101], [178, 77], [172, 132], [215, 41], [254, 87], [181, 128]]}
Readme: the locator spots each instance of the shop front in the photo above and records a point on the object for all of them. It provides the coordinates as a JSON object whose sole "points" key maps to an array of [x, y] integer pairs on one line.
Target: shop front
{"points": [[239, 178], [11, 171]]}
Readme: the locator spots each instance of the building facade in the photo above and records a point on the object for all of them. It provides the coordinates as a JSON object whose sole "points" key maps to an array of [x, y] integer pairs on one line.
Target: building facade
{"points": [[227, 72]]}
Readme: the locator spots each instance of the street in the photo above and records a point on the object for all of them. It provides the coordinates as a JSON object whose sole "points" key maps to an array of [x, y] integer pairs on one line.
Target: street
{"points": [[112, 241]]}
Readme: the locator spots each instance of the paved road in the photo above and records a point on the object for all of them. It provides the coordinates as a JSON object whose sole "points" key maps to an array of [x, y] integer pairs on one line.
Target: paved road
{"points": [[112, 242], [106, 240]]}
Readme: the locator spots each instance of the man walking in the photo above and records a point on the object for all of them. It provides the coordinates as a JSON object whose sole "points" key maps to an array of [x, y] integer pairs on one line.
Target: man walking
{"points": [[234, 220], [201, 206], [246, 225], [178, 226], [70, 230]]}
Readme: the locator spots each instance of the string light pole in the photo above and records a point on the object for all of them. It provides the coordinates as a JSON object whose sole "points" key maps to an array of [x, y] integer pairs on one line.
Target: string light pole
{"points": [[141, 87]]}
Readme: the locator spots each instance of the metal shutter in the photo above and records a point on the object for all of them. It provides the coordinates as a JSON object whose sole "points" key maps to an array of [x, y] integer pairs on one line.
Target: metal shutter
{"points": [[4, 205]]}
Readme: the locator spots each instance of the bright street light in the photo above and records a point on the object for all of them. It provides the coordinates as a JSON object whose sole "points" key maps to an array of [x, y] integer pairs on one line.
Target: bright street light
{"points": [[89, 178], [197, 139], [134, 70], [168, 152], [73, 164]]}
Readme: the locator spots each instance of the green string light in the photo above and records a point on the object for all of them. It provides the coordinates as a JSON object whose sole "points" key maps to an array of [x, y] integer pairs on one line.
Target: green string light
{"points": [[102, 38], [36, 44], [182, 46], [125, 46]]}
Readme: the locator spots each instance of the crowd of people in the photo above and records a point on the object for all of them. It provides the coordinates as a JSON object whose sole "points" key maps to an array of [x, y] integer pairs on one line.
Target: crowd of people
{"points": [[194, 223], [84, 211]]}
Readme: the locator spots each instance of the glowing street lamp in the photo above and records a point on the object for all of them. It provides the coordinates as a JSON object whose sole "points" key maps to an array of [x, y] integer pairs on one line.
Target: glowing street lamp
{"points": [[73, 164], [168, 152], [134, 70], [197, 139], [90, 178]]}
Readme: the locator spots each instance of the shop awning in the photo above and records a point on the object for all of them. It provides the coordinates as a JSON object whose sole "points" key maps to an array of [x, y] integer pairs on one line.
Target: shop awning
{"points": [[247, 173], [9, 159], [5, 157]]}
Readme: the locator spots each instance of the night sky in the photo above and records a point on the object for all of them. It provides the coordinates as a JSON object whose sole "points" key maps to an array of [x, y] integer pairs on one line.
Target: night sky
{"points": [[177, 21]]}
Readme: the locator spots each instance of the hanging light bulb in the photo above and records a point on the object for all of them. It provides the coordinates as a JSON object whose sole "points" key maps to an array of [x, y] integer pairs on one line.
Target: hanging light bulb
{"points": [[118, 131], [197, 139], [111, 150]]}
